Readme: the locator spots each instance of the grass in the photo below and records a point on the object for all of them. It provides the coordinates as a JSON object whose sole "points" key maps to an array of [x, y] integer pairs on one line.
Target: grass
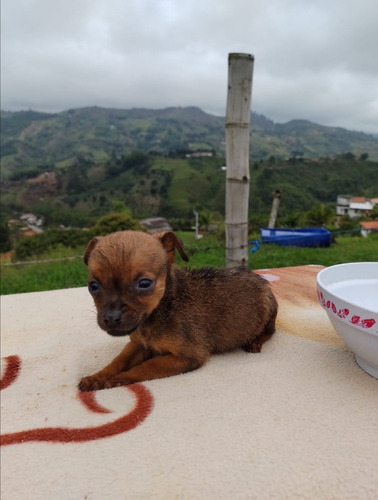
{"points": [[44, 276], [345, 249], [208, 251]]}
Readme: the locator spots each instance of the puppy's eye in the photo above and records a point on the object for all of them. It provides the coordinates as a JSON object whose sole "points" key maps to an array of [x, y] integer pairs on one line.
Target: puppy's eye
{"points": [[144, 284], [93, 286]]}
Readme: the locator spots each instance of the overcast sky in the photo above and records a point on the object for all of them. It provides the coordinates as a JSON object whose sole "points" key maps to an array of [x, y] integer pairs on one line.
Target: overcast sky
{"points": [[314, 59]]}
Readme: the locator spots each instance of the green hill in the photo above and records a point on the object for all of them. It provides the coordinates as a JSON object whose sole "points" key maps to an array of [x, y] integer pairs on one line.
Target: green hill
{"points": [[151, 185], [31, 139], [70, 167]]}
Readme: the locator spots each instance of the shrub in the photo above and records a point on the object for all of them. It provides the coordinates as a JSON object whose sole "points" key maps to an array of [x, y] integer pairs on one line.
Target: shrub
{"points": [[319, 215], [50, 239], [5, 241], [116, 221]]}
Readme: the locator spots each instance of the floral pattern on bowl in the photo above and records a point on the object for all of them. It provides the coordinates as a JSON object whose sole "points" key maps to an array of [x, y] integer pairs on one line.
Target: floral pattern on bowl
{"points": [[345, 314]]}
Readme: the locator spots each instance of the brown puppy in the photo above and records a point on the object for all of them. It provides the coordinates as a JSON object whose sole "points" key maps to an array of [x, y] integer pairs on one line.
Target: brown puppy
{"points": [[176, 318]]}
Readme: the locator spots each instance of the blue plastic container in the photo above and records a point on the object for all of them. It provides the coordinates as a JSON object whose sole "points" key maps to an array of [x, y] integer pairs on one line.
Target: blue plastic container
{"points": [[311, 237]]}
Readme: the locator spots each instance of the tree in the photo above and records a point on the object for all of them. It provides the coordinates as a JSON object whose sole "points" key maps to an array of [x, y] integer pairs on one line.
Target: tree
{"points": [[319, 216], [77, 181], [348, 156], [374, 212], [292, 219], [120, 206], [137, 160], [346, 223], [5, 242], [206, 217], [116, 221]]}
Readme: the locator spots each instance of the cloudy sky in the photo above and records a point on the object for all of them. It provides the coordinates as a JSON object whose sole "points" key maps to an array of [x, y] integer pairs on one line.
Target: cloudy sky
{"points": [[314, 59]]}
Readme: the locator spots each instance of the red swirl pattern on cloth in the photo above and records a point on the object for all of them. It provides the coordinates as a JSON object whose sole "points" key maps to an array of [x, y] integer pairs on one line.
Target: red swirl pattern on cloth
{"points": [[143, 407], [12, 370]]}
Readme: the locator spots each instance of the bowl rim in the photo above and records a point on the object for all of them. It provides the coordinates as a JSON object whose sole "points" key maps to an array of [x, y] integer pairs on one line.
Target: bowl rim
{"points": [[328, 269]]}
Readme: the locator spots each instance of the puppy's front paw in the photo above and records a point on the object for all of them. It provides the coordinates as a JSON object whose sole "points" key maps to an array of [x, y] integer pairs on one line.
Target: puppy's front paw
{"points": [[117, 381], [91, 383]]}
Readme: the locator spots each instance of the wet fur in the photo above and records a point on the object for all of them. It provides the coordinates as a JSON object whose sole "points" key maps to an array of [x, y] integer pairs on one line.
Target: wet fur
{"points": [[188, 315]]}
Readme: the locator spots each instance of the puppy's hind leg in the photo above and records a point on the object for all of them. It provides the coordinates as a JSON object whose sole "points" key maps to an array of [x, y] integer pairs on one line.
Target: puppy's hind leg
{"points": [[256, 344]]}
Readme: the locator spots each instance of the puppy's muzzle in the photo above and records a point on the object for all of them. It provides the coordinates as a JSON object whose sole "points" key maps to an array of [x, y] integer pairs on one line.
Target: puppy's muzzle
{"points": [[113, 319], [117, 323]]}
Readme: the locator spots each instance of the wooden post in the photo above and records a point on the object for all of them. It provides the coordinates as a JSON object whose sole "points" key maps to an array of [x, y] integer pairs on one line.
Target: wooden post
{"points": [[276, 203], [240, 72]]}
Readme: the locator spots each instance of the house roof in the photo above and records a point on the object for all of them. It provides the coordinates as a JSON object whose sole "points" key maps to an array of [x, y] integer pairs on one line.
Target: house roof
{"points": [[372, 225], [358, 199]]}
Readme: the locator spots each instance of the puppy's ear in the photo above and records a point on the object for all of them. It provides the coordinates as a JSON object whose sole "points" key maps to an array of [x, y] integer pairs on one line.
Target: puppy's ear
{"points": [[170, 242], [89, 249]]}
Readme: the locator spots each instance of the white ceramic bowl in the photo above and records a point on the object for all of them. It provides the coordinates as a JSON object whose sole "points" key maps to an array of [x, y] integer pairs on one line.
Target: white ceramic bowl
{"points": [[349, 295]]}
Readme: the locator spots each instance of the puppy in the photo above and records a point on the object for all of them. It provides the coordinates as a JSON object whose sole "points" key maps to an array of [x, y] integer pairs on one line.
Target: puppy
{"points": [[175, 318]]}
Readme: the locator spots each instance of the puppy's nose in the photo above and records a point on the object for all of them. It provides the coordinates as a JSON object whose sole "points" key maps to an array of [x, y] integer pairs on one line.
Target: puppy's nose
{"points": [[113, 318]]}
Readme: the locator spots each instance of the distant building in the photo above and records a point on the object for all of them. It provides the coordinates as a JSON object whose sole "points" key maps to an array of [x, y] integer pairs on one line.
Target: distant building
{"points": [[29, 218], [200, 154], [156, 225], [359, 206], [354, 206], [14, 223], [369, 227], [342, 206], [32, 220]]}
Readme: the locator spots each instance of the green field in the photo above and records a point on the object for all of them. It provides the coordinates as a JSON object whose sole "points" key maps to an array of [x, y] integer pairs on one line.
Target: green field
{"points": [[209, 251]]}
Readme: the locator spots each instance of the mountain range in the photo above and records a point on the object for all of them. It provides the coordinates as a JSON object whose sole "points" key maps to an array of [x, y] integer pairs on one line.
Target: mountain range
{"points": [[33, 139]]}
